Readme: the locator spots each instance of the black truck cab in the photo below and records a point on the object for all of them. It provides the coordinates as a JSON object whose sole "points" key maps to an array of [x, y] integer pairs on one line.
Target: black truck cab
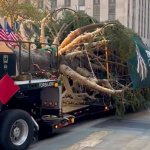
{"points": [[28, 103]]}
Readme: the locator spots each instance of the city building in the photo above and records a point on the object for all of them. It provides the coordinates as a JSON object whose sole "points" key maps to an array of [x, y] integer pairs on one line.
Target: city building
{"points": [[134, 14]]}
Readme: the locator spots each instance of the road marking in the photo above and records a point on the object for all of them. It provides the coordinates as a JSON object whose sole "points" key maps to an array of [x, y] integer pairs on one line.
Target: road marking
{"points": [[91, 141]]}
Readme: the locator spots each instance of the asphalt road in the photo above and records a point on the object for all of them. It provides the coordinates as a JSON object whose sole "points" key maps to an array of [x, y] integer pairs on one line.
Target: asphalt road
{"points": [[130, 133]]}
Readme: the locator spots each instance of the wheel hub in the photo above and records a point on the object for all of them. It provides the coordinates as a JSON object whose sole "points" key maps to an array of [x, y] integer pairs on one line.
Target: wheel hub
{"points": [[19, 132], [16, 132]]}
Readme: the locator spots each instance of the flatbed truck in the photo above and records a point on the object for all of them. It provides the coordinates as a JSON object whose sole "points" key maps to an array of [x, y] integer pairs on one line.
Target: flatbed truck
{"points": [[29, 106]]}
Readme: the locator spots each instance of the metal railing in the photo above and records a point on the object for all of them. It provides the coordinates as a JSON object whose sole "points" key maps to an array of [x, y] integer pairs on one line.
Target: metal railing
{"points": [[19, 47]]}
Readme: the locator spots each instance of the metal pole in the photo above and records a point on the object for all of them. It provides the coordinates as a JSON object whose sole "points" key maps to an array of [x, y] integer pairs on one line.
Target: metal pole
{"points": [[20, 58], [30, 77], [58, 63], [107, 65]]}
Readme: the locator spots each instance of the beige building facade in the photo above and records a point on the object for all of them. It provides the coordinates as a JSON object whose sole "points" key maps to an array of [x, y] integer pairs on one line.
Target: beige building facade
{"points": [[134, 14]]}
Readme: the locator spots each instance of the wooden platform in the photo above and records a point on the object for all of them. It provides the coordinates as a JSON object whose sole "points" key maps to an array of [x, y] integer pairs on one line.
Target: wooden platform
{"points": [[70, 107]]}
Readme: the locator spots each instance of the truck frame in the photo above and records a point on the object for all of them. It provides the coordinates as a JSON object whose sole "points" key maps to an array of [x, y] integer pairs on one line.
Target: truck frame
{"points": [[29, 106]]}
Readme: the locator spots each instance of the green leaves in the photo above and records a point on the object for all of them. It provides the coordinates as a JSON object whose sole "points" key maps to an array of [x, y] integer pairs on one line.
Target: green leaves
{"points": [[30, 12], [8, 8], [75, 20], [120, 39], [12, 9]]}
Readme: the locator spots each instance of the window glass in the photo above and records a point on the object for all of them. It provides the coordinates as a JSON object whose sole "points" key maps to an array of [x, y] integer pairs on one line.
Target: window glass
{"points": [[96, 1], [67, 3], [111, 9], [53, 3], [81, 2]]}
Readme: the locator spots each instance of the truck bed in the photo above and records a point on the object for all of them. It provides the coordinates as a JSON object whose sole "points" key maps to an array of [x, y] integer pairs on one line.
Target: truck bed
{"points": [[33, 81], [83, 110], [70, 108]]}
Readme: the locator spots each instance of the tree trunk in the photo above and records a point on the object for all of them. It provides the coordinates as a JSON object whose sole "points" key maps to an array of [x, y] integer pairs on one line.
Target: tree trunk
{"points": [[85, 81]]}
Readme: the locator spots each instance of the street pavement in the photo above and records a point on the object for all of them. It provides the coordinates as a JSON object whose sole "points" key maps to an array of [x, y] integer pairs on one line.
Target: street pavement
{"points": [[110, 133]]}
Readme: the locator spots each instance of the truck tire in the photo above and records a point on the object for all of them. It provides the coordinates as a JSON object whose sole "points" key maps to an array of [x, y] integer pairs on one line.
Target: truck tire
{"points": [[16, 130]]}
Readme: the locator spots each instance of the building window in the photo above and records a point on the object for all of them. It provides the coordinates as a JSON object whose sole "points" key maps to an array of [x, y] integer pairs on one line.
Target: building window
{"points": [[133, 14], [81, 5], [96, 2], [53, 3], [142, 17], [81, 2], [139, 17], [111, 9], [145, 16], [40, 4], [128, 19], [96, 9], [67, 3], [148, 21]]}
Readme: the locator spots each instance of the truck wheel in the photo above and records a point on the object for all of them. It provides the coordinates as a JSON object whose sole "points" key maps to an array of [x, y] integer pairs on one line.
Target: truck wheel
{"points": [[16, 130]]}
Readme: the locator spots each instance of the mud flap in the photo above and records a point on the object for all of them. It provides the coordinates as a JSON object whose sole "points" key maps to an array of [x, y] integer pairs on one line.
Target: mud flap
{"points": [[7, 89]]}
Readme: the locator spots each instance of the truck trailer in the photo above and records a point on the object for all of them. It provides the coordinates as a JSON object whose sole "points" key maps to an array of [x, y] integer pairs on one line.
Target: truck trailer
{"points": [[31, 103]]}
